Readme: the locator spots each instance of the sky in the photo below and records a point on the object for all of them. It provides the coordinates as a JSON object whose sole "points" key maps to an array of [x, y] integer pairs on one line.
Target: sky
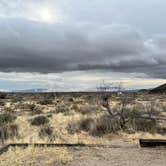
{"points": [[73, 45]]}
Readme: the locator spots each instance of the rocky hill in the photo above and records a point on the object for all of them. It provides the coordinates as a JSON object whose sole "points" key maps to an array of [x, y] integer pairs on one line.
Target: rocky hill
{"points": [[159, 89]]}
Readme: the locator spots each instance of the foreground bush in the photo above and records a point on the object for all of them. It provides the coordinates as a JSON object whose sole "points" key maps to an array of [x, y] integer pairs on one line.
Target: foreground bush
{"points": [[39, 120]]}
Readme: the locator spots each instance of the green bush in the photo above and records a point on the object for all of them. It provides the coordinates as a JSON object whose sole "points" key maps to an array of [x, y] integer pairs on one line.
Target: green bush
{"points": [[39, 120]]}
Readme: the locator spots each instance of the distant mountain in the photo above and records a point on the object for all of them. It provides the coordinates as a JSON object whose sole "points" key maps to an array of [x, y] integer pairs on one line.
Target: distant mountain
{"points": [[159, 89], [32, 91]]}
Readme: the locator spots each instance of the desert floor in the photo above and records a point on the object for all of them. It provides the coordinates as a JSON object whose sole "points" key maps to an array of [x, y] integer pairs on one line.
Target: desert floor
{"points": [[126, 153]]}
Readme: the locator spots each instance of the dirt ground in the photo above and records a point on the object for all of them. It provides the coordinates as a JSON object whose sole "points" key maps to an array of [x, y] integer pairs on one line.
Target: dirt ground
{"points": [[121, 153], [119, 157]]}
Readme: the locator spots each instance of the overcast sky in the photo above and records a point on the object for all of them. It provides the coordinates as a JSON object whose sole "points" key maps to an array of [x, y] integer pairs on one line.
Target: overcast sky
{"points": [[73, 44]]}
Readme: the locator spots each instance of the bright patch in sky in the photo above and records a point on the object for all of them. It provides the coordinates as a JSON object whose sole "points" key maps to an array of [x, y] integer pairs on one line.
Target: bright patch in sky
{"points": [[45, 14]]}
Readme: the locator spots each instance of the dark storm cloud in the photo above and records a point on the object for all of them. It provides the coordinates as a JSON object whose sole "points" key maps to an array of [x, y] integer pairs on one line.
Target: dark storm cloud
{"points": [[28, 46]]}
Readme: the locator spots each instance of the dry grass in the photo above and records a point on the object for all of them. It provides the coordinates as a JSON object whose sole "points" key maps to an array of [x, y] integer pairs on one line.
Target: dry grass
{"points": [[35, 157]]}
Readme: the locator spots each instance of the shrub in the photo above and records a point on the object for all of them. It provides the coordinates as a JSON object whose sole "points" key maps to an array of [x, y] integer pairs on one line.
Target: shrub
{"points": [[31, 108], [140, 124], [8, 109], [39, 120], [95, 127], [104, 125], [71, 99], [36, 110], [8, 131], [13, 130], [6, 118], [45, 101], [46, 131], [87, 109], [26, 106], [2, 103], [3, 95], [73, 127], [62, 109], [86, 124], [137, 122]]}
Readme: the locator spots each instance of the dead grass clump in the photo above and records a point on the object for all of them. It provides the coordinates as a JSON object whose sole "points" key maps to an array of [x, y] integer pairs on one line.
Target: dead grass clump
{"points": [[39, 120], [8, 109], [8, 131], [105, 125], [32, 108], [82, 125], [7, 128], [6, 118], [46, 132], [87, 109], [62, 109]]}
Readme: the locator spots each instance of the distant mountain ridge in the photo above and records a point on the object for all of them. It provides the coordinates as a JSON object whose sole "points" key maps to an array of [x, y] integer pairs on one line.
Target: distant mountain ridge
{"points": [[32, 90], [159, 89]]}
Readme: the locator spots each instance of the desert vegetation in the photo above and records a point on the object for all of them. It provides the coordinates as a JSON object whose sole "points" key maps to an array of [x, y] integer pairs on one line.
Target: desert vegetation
{"points": [[80, 117], [88, 118]]}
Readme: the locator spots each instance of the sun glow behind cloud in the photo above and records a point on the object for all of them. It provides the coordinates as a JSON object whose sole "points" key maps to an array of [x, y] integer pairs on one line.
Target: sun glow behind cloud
{"points": [[35, 12], [46, 14]]}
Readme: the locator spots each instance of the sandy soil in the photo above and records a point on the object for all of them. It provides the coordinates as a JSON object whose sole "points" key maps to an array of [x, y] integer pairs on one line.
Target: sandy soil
{"points": [[119, 157]]}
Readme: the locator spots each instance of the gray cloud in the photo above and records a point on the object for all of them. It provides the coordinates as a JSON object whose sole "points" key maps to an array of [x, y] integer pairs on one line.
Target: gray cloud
{"points": [[28, 46]]}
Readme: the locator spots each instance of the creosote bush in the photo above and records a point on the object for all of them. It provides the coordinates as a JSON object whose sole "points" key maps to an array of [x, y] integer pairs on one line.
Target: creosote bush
{"points": [[39, 120]]}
